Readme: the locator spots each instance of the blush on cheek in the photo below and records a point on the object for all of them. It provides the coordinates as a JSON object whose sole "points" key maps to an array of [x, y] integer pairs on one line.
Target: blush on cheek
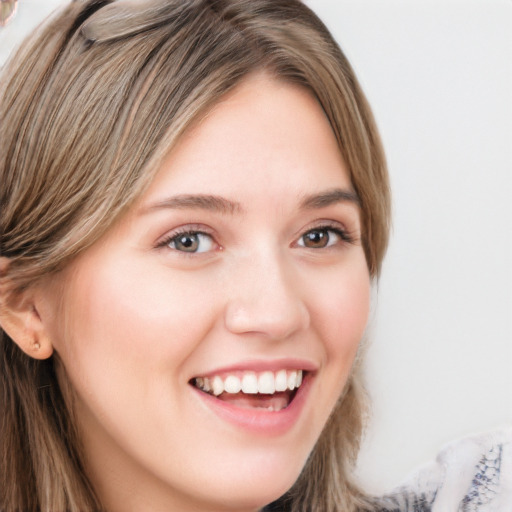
{"points": [[345, 313]]}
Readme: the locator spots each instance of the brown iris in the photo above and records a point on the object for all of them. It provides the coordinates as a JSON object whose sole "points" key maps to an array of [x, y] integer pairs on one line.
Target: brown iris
{"points": [[316, 239]]}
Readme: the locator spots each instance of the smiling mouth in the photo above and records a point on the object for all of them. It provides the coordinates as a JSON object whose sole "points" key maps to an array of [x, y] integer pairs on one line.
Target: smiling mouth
{"points": [[271, 391]]}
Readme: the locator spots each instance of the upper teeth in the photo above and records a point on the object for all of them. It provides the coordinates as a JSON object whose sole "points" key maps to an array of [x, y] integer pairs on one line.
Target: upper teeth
{"points": [[251, 382]]}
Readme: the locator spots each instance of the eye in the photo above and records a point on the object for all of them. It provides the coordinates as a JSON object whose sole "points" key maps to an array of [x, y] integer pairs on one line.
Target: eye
{"points": [[320, 238], [191, 242]]}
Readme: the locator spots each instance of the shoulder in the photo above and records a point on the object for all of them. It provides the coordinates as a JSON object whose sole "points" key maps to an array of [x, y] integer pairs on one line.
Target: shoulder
{"points": [[470, 474]]}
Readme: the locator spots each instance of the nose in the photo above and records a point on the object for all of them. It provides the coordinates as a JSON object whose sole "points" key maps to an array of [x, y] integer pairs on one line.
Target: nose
{"points": [[264, 298]]}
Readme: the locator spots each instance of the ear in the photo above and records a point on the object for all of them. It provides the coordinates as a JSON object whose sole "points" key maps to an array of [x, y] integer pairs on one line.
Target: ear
{"points": [[20, 319]]}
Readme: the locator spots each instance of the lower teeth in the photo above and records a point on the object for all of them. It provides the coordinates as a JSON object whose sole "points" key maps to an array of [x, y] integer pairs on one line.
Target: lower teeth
{"points": [[269, 408]]}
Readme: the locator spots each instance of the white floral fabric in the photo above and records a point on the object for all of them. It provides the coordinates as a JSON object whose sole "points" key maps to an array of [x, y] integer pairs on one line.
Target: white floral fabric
{"points": [[473, 474]]}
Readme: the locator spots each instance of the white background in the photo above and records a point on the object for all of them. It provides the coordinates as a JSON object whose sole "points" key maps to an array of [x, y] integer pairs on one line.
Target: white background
{"points": [[439, 77]]}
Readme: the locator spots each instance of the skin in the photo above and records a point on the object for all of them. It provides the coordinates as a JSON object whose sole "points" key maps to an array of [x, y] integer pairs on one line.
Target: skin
{"points": [[134, 318]]}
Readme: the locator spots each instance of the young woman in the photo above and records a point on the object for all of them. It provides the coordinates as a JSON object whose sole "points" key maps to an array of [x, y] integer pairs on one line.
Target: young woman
{"points": [[194, 206], [195, 202]]}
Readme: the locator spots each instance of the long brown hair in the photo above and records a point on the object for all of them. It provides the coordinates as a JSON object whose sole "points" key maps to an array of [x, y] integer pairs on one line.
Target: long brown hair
{"points": [[89, 107]]}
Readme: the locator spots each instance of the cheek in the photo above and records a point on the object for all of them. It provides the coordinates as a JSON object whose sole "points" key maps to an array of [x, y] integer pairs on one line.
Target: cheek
{"points": [[339, 307], [344, 306], [340, 315], [145, 309], [127, 321], [125, 347]]}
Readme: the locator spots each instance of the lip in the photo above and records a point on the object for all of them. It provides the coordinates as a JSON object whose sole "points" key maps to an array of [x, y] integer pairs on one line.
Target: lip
{"points": [[262, 366], [259, 421]]}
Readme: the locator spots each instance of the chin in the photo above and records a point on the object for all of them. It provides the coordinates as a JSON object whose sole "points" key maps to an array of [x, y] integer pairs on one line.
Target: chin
{"points": [[255, 494], [252, 486]]}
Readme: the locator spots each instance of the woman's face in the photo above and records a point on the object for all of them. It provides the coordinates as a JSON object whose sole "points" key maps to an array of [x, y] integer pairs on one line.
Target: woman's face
{"points": [[241, 266]]}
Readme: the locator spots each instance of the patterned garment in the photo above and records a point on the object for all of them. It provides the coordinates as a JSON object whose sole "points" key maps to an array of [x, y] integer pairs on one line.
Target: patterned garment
{"points": [[470, 475]]}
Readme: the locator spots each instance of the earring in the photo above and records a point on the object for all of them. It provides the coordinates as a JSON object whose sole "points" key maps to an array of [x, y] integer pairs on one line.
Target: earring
{"points": [[37, 346]]}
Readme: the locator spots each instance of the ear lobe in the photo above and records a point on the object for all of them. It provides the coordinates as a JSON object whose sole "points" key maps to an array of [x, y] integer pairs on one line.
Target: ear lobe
{"points": [[20, 319], [25, 328]]}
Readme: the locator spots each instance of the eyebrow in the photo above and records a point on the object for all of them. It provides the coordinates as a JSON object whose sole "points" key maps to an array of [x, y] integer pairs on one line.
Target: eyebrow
{"points": [[328, 198], [222, 205], [197, 201]]}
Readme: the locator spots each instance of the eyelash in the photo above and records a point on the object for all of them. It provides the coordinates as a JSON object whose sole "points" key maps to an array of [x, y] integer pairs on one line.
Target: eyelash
{"points": [[344, 235], [186, 231]]}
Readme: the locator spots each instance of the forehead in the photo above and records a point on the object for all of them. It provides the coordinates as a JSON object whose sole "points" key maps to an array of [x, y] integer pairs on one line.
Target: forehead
{"points": [[265, 136]]}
